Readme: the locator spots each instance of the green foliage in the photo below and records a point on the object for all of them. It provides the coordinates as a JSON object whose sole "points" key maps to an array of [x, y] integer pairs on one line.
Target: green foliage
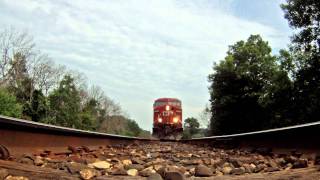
{"points": [[65, 104], [38, 108], [30, 76], [304, 15], [122, 126], [191, 127], [244, 86], [9, 105], [133, 128]]}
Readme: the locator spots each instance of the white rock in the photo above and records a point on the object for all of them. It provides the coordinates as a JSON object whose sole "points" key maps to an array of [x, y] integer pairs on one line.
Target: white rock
{"points": [[100, 165], [132, 172], [126, 162]]}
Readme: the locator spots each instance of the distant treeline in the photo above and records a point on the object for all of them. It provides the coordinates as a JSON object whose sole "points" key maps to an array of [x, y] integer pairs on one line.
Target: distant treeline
{"points": [[33, 87], [251, 89]]}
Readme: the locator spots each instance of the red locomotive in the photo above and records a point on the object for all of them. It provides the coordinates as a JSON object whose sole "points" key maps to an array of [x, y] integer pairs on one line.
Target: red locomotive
{"points": [[167, 118]]}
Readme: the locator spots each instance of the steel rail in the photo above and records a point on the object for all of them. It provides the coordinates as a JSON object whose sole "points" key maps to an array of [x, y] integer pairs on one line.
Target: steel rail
{"points": [[302, 138], [18, 136]]}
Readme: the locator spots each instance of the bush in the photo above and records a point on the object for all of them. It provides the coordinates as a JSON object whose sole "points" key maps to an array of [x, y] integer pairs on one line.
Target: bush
{"points": [[9, 105]]}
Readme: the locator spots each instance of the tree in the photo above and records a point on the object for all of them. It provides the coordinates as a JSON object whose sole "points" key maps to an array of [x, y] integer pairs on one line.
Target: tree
{"points": [[38, 108], [243, 86], [45, 75], [13, 43], [8, 104], [65, 104], [133, 128], [304, 16], [191, 127]]}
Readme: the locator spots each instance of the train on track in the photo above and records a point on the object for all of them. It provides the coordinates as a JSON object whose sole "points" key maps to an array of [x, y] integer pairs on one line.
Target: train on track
{"points": [[167, 118]]}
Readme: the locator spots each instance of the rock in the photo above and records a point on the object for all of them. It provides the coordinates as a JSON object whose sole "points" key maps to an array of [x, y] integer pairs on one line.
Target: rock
{"points": [[16, 178], [290, 159], [260, 167], [175, 159], [238, 171], [191, 162], [119, 171], [300, 163], [126, 162], [132, 172], [219, 173], [226, 170], [26, 160], [235, 163], [3, 173], [147, 172], [38, 161], [162, 171], [115, 160], [288, 166], [100, 165], [154, 154], [192, 171], [138, 167], [154, 176], [137, 161], [272, 169], [202, 171], [157, 167], [88, 173], [74, 168], [273, 164], [174, 175], [280, 161]]}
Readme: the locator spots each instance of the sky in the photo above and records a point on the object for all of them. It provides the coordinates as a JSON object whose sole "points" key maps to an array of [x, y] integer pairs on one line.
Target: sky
{"points": [[140, 50]]}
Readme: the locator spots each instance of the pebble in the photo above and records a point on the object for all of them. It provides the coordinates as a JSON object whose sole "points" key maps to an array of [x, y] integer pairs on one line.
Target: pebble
{"points": [[154, 176], [126, 162], [174, 175], [132, 172], [167, 161], [203, 171], [147, 172], [38, 161], [74, 167], [119, 171], [100, 165], [238, 171], [88, 173], [300, 163], [226, 170], [138, 167]]}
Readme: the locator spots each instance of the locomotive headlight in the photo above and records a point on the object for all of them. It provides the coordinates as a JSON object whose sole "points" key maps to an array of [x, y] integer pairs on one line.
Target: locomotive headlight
{"points": [[175, 119], [160, 120], [167, 107]]}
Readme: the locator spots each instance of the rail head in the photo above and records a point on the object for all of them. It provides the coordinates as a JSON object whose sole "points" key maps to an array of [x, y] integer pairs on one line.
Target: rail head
{"points": [[262, 132], [36, 126]]}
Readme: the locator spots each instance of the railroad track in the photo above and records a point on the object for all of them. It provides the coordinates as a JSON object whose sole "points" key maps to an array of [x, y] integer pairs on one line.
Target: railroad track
{"points": [[20, 137]]}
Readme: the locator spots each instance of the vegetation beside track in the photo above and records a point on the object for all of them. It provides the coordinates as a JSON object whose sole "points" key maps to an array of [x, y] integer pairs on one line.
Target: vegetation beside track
{"points": [[253, 89], [33, 87]]}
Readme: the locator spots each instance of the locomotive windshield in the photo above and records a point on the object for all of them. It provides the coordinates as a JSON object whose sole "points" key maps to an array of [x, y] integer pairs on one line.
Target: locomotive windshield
{"points": [[161, 103]]}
